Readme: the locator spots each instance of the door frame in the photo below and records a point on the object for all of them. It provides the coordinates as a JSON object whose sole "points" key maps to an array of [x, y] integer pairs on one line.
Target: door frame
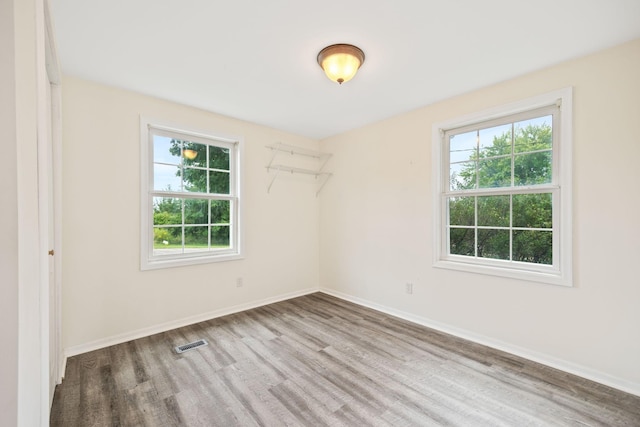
{"points": [[49, 128]]}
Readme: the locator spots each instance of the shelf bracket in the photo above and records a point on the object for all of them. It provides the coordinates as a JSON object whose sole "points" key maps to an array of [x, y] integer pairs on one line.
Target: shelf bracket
{"points": [[273, 179], [275, 150], [324, 181]]}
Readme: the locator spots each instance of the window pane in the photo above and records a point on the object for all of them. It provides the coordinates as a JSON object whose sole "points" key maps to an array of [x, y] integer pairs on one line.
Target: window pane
{"points": [[463, 146], [493, 244], [219, 182], [461, 241], [167, 214], [165, 151], [495, 141], [218, 158], [461, 211], [220, 211], [534, 134], [532, 210], [196, 238], [195, 180], [195, 211], [533, 246], [493, 211], [166, 178], [167, 240], [462, 176], [220, 237], [494, 172], [533, 168], [194, 154], [167, 211]]}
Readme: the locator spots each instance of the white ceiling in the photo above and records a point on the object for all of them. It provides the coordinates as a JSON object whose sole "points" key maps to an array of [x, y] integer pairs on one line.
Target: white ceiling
{"points": [[256, 59]]}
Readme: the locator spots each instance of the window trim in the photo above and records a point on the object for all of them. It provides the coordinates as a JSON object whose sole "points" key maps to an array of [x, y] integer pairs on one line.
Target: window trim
{"points": [[147, 260], [559, 274]]}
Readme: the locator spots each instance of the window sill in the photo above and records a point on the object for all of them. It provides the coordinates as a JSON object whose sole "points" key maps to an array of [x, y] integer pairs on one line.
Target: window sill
{"points": [[156, 264], [550, 277]]}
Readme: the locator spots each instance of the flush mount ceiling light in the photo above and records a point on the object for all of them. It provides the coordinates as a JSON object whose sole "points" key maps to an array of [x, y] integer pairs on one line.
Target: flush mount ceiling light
{"points": [[340, 62]]}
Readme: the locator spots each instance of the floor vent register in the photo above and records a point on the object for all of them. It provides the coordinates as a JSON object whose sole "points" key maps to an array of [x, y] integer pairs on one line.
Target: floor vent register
{"points": [[190, 346]]}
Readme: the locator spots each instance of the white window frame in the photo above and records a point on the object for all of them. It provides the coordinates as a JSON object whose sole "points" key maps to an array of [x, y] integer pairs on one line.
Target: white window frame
{"points": [[560, 273], [236, 146]]}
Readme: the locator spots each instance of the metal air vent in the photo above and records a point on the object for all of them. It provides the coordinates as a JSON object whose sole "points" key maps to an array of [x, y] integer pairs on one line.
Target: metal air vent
{"points": [[191, 346]]}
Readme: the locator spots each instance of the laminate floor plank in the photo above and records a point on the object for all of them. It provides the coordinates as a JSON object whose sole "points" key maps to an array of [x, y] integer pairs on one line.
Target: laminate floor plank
{"points": [[317, 360]]}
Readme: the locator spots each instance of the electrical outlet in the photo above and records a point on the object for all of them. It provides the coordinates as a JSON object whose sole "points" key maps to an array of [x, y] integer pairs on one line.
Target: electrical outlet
{"points": [[239, 282], [409, 287]]}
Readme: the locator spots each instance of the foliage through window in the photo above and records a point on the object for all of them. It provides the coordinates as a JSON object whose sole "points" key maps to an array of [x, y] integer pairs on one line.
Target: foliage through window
{"points": [[515, 226], [500, 194], [192, 198]]}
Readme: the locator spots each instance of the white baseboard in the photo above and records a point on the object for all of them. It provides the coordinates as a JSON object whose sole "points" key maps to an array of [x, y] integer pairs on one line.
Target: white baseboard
{"points": [[63, 367], [145, 332], [544, 359]]}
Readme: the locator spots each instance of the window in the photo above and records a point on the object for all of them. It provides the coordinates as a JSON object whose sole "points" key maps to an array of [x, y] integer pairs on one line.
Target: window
{"points": [[503, 191], [190, 197]]}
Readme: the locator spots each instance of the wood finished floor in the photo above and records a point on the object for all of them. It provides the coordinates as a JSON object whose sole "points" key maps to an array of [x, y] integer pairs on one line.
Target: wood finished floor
{"points": [[317, 360]]}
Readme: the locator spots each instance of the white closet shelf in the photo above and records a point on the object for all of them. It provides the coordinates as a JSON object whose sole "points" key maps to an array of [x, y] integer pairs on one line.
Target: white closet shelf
{"points": [[320, 157], [292, 169], [293, 150]]}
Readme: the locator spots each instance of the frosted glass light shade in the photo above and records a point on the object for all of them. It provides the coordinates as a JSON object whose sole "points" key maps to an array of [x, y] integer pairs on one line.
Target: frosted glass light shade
{"points": [[340, 62]]}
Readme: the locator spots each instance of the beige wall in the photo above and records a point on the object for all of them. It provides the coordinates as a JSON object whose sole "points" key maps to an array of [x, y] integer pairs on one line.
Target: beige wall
{"points": [[377, 234], [105, 294]]}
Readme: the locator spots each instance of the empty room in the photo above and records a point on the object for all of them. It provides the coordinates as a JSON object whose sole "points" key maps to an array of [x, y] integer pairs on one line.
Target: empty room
{"points": [[405, 213]]}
